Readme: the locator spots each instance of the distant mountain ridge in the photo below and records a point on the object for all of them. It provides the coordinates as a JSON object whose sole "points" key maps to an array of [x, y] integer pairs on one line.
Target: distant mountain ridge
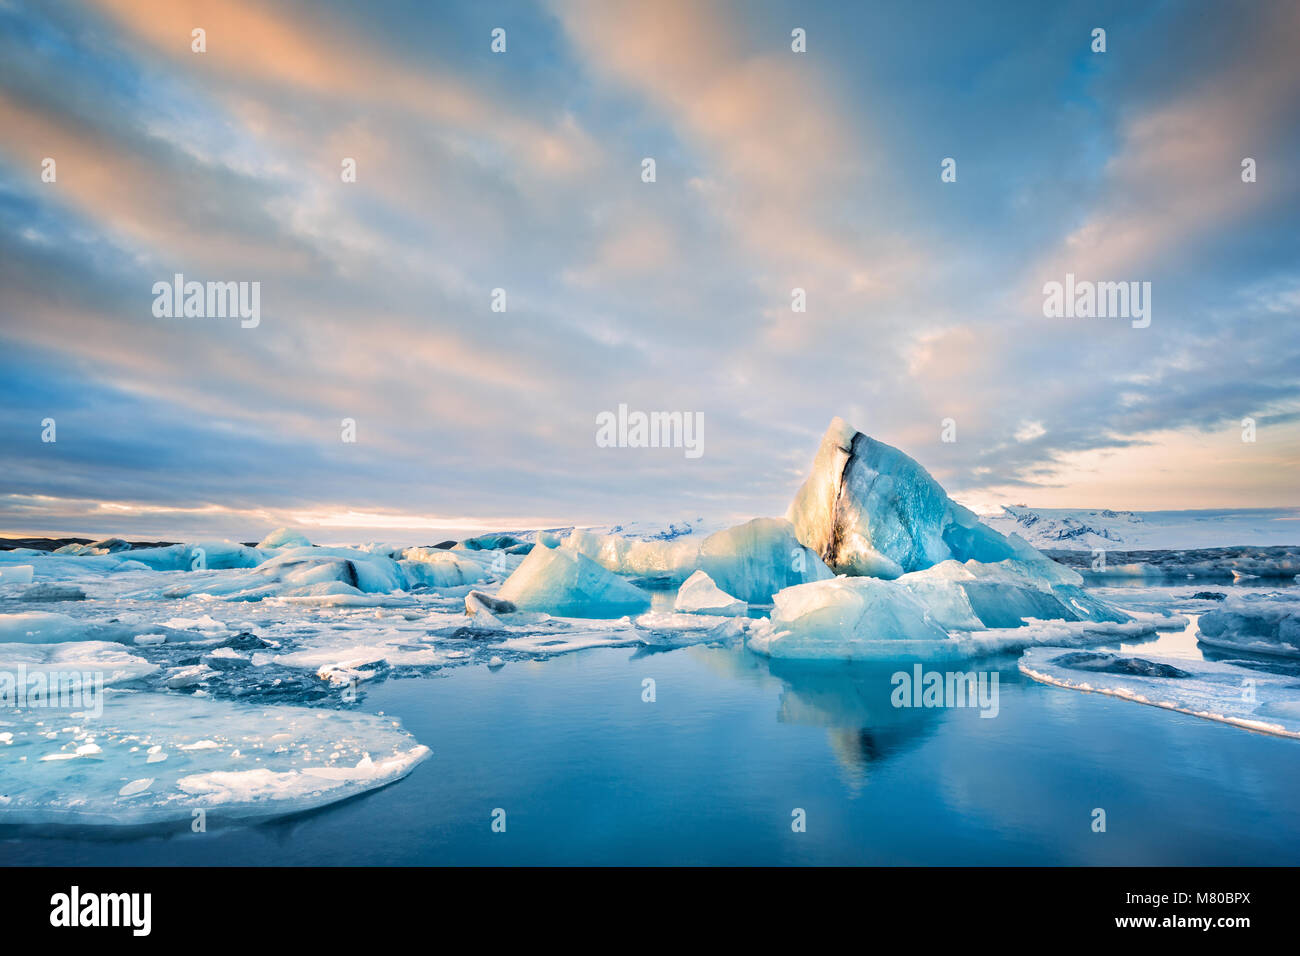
{"points": [[1084, 529]]}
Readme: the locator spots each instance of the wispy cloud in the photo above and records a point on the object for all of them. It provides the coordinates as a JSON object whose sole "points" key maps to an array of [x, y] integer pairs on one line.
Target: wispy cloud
{"points": [[521, 171]]}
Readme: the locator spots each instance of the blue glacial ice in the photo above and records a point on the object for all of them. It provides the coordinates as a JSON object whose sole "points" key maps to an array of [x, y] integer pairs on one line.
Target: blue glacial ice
{"points": [[1256, 624], [565, 582], [751, 561], [920, 574], [930, 616], [284, 538], [868, 509], [700, 595]]}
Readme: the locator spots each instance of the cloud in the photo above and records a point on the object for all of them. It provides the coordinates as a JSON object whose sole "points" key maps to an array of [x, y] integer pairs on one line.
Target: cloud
{"points": [[522, 171]]}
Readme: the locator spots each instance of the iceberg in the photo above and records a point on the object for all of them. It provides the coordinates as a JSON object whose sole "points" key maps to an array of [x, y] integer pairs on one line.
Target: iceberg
{"points": [[757, 559], [436, 568], [338, 575], [866, 619], [699, 595], [846, 618], [284, 538], [47, 627], [101, 661], [1007, 593], [47, 591], [1256, 624], [658, 561], [1241, 696], [562, 581], [156, 758], [751, 561], [107, 546], [868, 509], [17, 574]]}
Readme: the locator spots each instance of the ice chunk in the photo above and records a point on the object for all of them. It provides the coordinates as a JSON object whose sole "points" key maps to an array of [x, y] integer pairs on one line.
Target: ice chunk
{"points": [[284, 538], [752, 561], [845, 618], [17, 574], [679, 630], [920, 615], [233, 760], [107, 546], [868, 509], [297, 572], [665, 561], [46, 591], [945, 599], [1008, 592], [757, 559], [96, 663], [699, 595], [46, 627], [1241, 696], [562, 581], [199, 556], [478, 602], [1255, 624], [440, 569]]}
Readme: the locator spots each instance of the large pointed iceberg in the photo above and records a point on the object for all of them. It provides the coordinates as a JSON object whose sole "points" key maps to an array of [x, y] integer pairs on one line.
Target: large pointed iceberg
{"points": [[866, 508], [920, 574]]}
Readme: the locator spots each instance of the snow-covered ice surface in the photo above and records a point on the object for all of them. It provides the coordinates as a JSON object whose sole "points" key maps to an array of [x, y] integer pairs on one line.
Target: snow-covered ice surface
{"points": [[153, 758], [1248, 697]]}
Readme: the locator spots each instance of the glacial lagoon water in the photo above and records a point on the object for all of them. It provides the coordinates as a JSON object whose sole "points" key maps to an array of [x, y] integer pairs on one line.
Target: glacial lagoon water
{"points": [[711, 771]]}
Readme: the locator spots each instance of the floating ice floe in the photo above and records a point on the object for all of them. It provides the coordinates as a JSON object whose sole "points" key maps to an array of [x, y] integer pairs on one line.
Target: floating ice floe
{"points": [[48, 591], [284, 538], [64, 564], [337, 576], [950, 611], [699, 595], [1241, 696], [751, 561], [106, 546], [102, 662], [153, 758], [871, 622], [48, 627], [1238, 563], [17, 574], [564, 582], [1258, 624]]}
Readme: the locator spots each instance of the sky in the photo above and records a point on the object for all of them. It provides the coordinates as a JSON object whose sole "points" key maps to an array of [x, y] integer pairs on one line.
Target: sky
{"points": [[522, 170]]}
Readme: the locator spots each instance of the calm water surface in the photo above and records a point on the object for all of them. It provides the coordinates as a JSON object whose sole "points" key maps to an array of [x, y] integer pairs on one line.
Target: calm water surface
{"points": [[711, 771]]}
